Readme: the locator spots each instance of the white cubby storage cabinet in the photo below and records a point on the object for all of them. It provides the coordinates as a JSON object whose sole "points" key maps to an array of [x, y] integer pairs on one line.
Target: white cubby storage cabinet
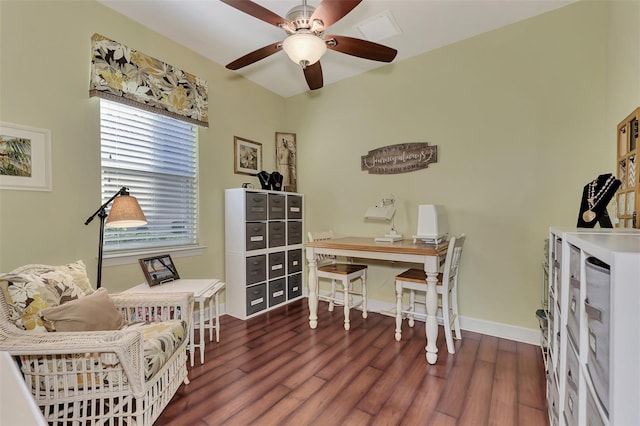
{"points": [[593, 371], [264, 257]]}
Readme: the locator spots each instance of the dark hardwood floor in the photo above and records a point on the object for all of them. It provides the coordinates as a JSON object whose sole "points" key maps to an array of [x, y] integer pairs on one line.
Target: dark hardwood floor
{"points": [[275, 370]]}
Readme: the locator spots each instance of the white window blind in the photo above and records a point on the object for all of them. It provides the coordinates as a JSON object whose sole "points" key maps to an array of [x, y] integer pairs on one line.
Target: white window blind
{"points": [[155, 156]]}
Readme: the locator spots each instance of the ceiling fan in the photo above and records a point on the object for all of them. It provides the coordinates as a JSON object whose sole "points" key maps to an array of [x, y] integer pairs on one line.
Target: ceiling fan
{"points": [[306, 43]]}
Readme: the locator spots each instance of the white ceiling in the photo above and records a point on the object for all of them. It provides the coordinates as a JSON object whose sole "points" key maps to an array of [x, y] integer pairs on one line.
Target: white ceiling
{"points": [[223, 34]]}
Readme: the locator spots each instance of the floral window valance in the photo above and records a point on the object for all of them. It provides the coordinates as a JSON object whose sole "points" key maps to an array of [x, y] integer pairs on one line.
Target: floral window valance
{"points": [[122, 74]]}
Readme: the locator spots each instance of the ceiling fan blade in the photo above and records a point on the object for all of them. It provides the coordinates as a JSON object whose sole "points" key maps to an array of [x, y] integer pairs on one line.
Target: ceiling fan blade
{"points": [[361, 48], [254, 56], [257, 11], [313, 75], [331, 11]]}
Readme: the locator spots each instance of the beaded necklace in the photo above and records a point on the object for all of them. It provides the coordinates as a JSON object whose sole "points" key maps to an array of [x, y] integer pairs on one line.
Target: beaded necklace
{"points": [[593, 198]]}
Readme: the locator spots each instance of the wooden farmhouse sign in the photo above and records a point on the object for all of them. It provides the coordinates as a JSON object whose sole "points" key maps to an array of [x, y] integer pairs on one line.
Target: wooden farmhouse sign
{"points": [[400, 158]]}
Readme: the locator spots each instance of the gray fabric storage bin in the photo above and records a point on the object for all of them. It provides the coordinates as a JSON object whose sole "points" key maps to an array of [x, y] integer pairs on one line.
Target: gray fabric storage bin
{"points": [[277, 291], [256, 269], [256, 236], [256, 298], [277, 206], [256, 205], [593, 415], [597, 306], [294, 286], [294, 207], [277, 232], [571, 404], [276, 264], [294, 261], [573, 313]]}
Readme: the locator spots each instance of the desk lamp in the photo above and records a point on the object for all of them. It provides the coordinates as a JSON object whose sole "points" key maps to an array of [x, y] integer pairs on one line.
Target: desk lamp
{"points": [[385, 210], [125, 213]]}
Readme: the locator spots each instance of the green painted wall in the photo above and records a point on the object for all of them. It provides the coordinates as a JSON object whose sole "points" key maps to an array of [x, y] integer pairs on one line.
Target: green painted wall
{"points": [[523, 117]]}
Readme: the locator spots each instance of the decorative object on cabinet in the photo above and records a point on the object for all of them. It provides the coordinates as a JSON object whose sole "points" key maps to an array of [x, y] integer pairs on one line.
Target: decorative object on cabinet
{"points": [[595, 198], [247, 156], [25, 158], [286, 164], [385, 210], [628, 197], [263, 250], [125, 213], [159, 269], [593, 375], [447, 288], [343, 274], [400, 158]]}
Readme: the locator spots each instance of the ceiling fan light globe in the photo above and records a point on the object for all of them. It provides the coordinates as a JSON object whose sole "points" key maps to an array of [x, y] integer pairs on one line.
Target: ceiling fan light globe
{"points": [[304, 48]]}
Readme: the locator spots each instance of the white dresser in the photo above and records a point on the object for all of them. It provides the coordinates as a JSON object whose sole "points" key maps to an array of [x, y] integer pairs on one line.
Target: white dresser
{"points": [[264, 232], [593, 373]]}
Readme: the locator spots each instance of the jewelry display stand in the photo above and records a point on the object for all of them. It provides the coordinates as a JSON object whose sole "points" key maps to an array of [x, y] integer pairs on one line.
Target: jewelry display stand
{"points": [[595, 198]]}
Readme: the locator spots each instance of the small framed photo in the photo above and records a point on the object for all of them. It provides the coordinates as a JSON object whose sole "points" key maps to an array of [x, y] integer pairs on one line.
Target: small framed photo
{"points": [[25, 158], [159, 269], [247, 156]]}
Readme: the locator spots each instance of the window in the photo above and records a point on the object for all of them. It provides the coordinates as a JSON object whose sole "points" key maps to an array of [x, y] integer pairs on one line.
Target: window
{"points": [[156, 158]]}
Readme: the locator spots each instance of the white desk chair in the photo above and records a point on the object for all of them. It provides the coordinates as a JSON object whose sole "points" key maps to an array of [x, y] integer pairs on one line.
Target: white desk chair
{"points": [[343, 274], [447, 289]]}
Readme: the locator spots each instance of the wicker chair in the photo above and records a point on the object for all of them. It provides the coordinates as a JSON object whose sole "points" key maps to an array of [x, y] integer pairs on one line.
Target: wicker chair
{"points": [[102, 377]]}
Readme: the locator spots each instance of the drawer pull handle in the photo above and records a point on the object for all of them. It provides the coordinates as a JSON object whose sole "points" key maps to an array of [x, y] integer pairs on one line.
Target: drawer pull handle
{"points": [[592, 311], [575, 282], [571, 382], [573, 304]]}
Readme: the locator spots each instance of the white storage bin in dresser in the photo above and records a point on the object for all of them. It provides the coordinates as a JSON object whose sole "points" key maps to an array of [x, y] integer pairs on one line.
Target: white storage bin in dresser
{"points": [[594, 377], [263, 250]]}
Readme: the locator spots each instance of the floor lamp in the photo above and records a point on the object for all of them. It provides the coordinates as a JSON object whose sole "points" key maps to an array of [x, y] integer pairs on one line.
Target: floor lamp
{"points": [[125, 213]]}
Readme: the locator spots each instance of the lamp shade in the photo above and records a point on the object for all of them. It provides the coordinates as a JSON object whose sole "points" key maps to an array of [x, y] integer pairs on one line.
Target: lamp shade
{"points": [[125, 213], [304, 48]]}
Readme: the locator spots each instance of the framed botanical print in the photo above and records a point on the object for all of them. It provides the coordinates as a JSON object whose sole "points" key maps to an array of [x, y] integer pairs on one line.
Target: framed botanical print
{"points": [[25, 158], [247, 156]]}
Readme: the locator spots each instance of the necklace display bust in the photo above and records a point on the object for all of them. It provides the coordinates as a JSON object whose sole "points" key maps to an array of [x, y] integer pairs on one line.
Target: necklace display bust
{"points": [[595, 197]]}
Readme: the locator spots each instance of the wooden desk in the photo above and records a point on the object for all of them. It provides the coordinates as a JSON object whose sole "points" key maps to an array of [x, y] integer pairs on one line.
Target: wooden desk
{"points": [[401, 251], [203, 290]]}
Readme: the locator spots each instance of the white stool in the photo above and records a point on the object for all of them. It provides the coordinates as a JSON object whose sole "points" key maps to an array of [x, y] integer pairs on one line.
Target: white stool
{"points": [[211, 319]]}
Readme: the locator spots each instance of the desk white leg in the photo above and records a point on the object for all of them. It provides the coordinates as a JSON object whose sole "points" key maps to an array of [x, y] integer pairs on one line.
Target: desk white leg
{"points": [[431, 326], [313, 289], [202, 326], [217, 318]]}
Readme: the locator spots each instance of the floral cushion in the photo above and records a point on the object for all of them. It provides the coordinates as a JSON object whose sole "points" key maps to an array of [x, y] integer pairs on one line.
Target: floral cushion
{"points": [[30, 289], [161, 339], [29, 294], [77, 270]]}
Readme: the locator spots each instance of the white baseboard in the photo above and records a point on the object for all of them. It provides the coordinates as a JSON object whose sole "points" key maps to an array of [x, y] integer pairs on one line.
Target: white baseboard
{"points": [[490, 328]]}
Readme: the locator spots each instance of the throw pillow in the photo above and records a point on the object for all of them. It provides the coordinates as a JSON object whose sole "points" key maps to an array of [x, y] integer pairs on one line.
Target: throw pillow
{"points": [[28, 294], [77, 270], [94, 312]]}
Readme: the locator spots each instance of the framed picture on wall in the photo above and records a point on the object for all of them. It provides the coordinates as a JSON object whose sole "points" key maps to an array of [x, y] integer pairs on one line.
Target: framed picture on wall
{"points": [[286, 160], [25, 158], [247, 156], [159, 269]]}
